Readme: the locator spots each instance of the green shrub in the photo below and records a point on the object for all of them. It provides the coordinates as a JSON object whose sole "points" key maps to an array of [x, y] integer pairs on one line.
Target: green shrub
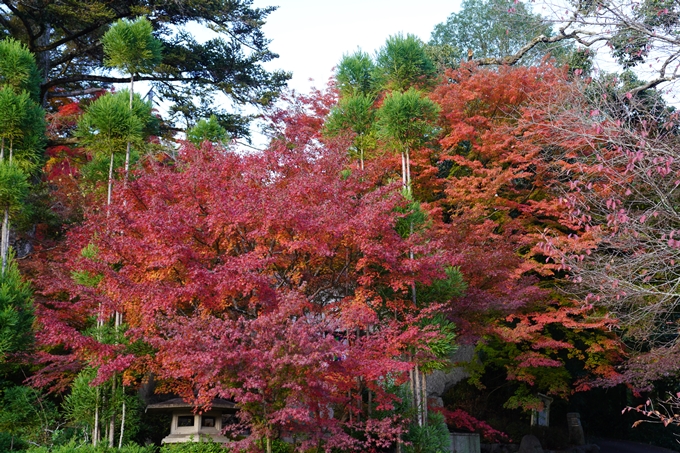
{"points": [[11, 443], [431, 438], [194, 447], [73, 447]]}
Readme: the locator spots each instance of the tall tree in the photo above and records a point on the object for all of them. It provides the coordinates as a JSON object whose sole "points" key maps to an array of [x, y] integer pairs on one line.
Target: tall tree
{"points": [[487, 29], [131, 47], [66, 37], [406, 122], [22, 131], [109, 124], [403, 63], [622, 205], [272, 269], [356, 114], [355, 75]]}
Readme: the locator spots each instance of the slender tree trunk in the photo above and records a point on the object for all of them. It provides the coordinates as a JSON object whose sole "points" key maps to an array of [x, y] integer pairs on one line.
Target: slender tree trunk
{"points": [[5, 240], [403, 170], [4, 234], [419, 395], [95, 429], [269, 444], [127, 150], [122, 424], [108, 196], [408, 171], [370, 403], [425, 414], [112, 420], [412, 384]]}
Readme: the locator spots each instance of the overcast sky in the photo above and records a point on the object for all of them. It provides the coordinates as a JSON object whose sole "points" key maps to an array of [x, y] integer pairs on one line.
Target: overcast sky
{"points": [[311, 36]]}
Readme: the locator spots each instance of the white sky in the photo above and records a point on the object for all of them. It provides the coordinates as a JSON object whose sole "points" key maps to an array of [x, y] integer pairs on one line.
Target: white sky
{"points": [[311, 36]]}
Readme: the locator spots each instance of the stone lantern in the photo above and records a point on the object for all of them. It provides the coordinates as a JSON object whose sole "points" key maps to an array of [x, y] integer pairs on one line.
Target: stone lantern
{"points": [[186, 426]]}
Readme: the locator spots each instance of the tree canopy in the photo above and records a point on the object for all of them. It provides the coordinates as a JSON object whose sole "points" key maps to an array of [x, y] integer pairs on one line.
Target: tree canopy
{"points": [[67, 36], [494, 29]]}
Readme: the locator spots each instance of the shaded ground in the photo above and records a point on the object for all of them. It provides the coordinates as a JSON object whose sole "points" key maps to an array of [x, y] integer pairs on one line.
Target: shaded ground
{"points": [[622, 446]]}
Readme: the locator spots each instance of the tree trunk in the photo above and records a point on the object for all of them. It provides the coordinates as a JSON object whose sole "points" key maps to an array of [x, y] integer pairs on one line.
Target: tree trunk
{"points": [[95, 429], [122, 424], [425, 414], [4, 236], [112, 420], [408, 171], [412, 383], [269, 444], [127, 150], [419, 402], [108, 196]]}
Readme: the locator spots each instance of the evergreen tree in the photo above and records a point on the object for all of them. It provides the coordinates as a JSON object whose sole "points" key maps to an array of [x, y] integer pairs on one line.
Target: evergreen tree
{"points": [[403, 63], [109, 124], [493, 29], [207, 130], [406, 121], [22, 132], [67, 36], [357, 114], [132, 48], [354, 75], [16, 314]]}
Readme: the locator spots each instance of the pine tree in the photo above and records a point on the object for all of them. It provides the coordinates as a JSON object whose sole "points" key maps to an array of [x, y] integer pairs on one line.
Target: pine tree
{"points": [[21, 132]]}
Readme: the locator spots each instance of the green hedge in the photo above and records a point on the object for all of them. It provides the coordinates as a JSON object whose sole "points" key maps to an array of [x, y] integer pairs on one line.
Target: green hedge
{"points": [[72, 447]]}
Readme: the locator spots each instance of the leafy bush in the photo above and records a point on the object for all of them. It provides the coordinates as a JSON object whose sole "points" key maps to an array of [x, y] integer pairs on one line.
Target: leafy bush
{"points": [[73, 447], [431, 438], [11, 443], [194, 447]]}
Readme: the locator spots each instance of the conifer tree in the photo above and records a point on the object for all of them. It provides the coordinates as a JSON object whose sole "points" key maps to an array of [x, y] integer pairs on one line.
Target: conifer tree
{"points": [[21, 131], [131, 47]]}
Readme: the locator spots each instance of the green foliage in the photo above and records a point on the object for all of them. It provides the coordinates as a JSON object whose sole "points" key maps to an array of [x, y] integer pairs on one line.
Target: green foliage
{"points": [[27, 414], [355, 113], [207, 130], [9, 443], [74, 447], [13, 186], [413, 221], [85, 278], [18, 69], [403, 63], [79, 406], [495, 28], [16, 313], [194, 447], [548, 376], [443, 346], [13, 106], [22, 128], [22, 124], [432, 437], [406, 120], [445, 289], [131, 46], [580, 59], [354, 75], [108, 123]]}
